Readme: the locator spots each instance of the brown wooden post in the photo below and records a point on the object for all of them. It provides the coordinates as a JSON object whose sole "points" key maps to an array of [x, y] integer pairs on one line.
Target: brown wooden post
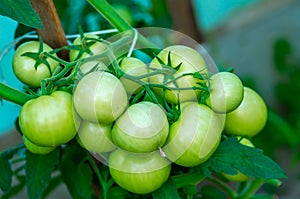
{"points": [[183, 18], [53, 33]]}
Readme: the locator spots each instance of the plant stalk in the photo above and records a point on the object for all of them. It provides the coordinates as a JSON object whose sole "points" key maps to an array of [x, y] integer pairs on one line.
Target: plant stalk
{"points": [[13, 95]]}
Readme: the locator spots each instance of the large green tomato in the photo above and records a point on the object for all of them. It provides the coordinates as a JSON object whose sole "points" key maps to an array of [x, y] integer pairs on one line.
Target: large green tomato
{"points": [[194, 136], [191, 61], [23, 66], [96, 48], [135, 67], [226, 92], [239, 177], [33, 148], [139, 173], [100, 97], [95, 137], [249, 118], [142, 128], [49, 120]]}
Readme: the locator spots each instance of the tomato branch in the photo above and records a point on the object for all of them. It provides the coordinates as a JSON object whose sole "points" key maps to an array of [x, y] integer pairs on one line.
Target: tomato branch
{"points": [[116, 20], [11, 94]]}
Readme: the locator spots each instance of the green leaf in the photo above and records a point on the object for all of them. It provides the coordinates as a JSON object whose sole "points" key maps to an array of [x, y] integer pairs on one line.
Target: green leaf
{"points": [[17, 188], [212, 192], [5, 167], [21, 11], [167, 191], [5, 174], [77, 174], [118, 192], [38, 172], [187, 179], [231, 156]]}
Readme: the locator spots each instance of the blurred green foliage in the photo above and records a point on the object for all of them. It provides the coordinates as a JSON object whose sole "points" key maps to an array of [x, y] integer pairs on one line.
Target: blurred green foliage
{"points": [[138, 13], [283, 126]]}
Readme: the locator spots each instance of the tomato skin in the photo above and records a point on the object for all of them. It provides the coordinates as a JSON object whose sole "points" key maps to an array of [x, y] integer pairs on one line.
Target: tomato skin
{"points": [[49, 120], [227, 92], [100, 97], [194, 136], [191, 61], [135, 67], [33, 148], [139, 173], [95, 137], [142, 128], [249, 118], [23, 66]]}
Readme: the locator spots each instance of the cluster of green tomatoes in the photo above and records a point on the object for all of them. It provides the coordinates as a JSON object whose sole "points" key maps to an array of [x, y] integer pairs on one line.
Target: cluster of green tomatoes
{"points": [[140, 118]]}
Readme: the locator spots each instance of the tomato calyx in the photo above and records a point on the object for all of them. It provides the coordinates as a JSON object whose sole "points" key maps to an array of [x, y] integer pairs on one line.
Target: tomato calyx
{"points": [[40, 57]]}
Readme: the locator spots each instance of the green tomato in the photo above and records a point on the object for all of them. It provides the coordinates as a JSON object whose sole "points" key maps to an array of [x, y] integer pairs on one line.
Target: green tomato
{"points": [[142, 128], [33, 148], [249, 118], [140, 173], [227, 92], [135, 67], [95, 49], [49, 120], [95, 137], [191, 61], [100, 97], [23, 66], [194, 136], [239, 177]]}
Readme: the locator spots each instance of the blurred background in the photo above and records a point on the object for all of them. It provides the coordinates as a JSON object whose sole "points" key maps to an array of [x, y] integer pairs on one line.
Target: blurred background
{"points": [[258, 38]]}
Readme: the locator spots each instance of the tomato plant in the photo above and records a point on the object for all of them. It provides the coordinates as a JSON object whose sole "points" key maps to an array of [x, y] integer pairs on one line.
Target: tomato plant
{"points": [[239, 177], [95, 137], [32, 71], [100, 97], [137, 172], [227, 92], [49, 120], [249, 118], [125, 117], [142, 128], [132, 66], [180, 61], [194, 137]]}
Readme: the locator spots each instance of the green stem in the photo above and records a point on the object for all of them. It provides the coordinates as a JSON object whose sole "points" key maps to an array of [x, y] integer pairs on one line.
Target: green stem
{"points": [[13, 95], [223, 186], [110, 14], [99, 176], [116, 20], [251, 189]]}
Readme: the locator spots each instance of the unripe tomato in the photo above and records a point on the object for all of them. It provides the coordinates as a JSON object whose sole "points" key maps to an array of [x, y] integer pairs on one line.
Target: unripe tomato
{"points": [[227, 92], [33, 148], [139, 173], [23, 66], [96, 48], [49, 119], [134, 67], [239, 177], [100, 97], [95, 137], [191, 61], [142, 128], [194, 136], [249, 118]]}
